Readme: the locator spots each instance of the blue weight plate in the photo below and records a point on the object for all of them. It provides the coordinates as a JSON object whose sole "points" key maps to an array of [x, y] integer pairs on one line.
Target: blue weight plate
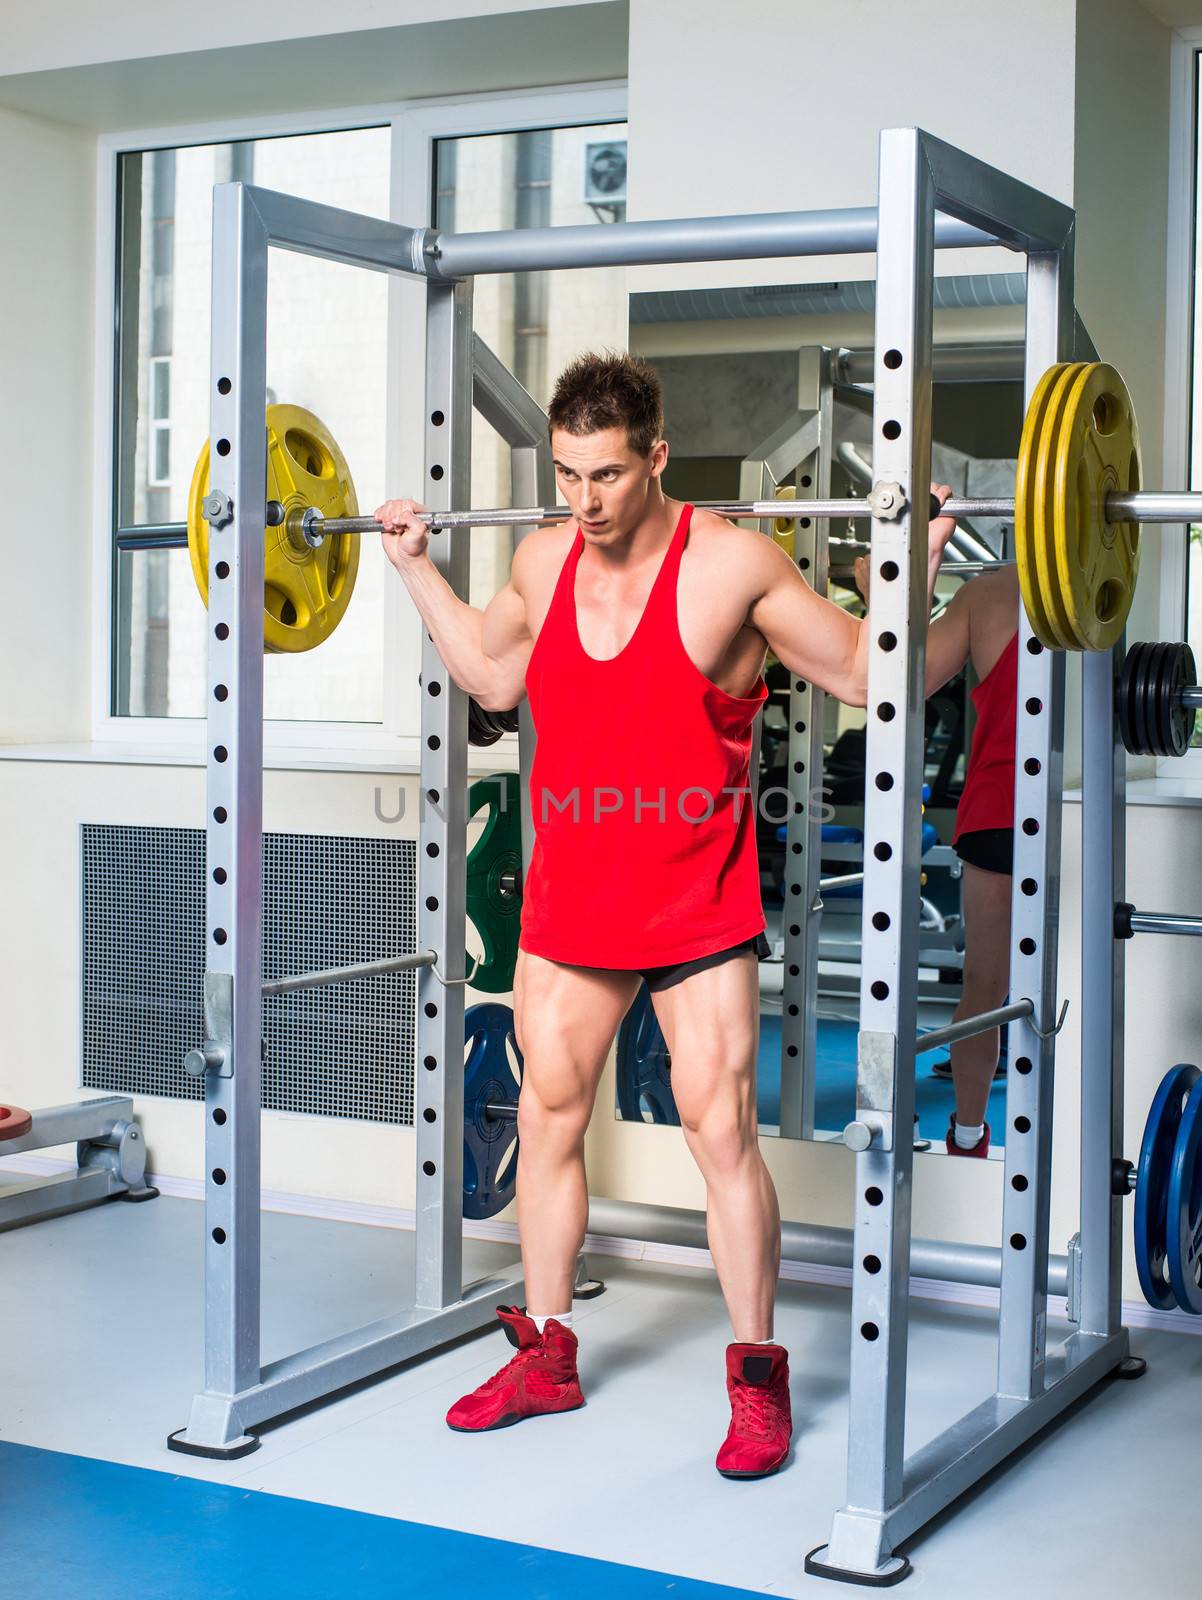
{"points": [[644, 1066], [490, 1077], [1152, 1185], [1185, 1207]]}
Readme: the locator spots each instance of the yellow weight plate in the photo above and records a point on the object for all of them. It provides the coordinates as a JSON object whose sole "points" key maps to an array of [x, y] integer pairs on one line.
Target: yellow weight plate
{"points": [[1024, 510], [783, 527], [1044, 510], [306, 592], [1097, 454]]}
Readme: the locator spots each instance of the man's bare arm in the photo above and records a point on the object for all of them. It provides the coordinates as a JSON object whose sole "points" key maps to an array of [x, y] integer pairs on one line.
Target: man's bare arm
{"points": [[485, 652], [813, 636]]}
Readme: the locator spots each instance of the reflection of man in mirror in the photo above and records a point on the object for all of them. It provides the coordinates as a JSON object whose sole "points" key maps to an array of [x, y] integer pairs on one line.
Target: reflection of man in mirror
{"points": [[980, 624]]}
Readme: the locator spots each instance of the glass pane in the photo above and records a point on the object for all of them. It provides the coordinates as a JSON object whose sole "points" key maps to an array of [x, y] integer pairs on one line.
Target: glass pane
{"points": [[326, 339], [535, 322], [162, 390], [162, 454]]}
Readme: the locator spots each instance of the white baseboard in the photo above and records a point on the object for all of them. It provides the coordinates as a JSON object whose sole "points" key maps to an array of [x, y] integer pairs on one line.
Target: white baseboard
{"points": [[1135, 1313]]}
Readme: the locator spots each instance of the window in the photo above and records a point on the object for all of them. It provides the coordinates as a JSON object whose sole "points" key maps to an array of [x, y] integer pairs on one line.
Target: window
{"points": [[331, 347], [535, 322], [326, 344]]}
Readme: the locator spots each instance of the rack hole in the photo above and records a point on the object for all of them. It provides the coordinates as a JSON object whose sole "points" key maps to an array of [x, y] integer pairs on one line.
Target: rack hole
{"points": [[874, 1196], [1023, 1065], [437, 418], [1017, 1241], [872, 1264], [892, 359], [436, 472], [224, 386], [870, 1331], [880, 990], [1019, 1182], [429, 1168], [1022, 1124], [889, 570], [219, 936], [218, 1175], [1029, 886], [219, 1117], [223, 447], [892, 429], [884, 780], [880, 921], [218, 1235], [882, 851]]}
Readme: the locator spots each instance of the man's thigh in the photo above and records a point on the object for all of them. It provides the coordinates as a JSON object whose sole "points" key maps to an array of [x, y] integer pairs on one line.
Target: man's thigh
{"points": [[711, 1023], [565, 1019]]}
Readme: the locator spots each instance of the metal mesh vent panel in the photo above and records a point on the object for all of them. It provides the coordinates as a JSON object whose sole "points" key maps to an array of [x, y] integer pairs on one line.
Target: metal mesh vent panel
{"points": [[343, 1050]]}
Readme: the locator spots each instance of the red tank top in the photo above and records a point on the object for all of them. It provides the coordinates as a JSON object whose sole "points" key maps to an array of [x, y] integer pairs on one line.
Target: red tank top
{"points": [[988, 798], [644, 849]]}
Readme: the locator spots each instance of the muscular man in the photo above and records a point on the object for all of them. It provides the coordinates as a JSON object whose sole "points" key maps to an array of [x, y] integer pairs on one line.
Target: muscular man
{"points": [[638, 629], [980, 624]]}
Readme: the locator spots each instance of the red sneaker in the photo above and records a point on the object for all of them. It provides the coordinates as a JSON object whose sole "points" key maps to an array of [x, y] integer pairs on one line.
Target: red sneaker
{"points": [[761, 1424], [981, 1148], [541, 1378]]}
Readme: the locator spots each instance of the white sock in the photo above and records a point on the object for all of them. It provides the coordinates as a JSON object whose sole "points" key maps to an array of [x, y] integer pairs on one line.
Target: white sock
{"points": [[969, 1138], [565, 1317], [759, 1341]]}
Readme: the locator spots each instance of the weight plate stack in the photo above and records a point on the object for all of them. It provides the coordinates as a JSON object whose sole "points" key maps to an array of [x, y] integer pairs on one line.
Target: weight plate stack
{"points": [[492, 1078], [1153, 1225], [1152, 720], [306, 590], [494, 881], [644, 1066]]}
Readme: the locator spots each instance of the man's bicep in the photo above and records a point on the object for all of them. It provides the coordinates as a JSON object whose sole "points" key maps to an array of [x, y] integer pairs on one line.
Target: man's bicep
{"points": [[811, 635], [506, 641]]}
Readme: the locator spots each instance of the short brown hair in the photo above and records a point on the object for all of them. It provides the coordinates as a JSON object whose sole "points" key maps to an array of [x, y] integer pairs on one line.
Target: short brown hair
{"points": [[613, 390]]}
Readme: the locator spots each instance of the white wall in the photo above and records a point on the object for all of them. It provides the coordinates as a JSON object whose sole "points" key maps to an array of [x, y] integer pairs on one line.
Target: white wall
{"points": [[47, 187], [776, 105], [67, 33]]}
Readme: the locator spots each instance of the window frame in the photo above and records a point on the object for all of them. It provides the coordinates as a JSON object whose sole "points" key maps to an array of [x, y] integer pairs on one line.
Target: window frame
{"points": [[1180, 338], [413, 126]]}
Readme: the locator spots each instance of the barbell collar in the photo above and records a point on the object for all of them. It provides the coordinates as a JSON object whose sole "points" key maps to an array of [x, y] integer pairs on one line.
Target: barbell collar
{"points": [[858, 1136]]}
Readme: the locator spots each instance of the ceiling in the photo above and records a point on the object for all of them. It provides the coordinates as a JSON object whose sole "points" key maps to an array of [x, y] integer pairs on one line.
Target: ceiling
{"points": [[523, 49]]}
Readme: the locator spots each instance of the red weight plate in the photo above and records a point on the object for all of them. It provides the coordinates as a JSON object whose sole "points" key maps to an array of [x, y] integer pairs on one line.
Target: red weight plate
{"points": [[14, 1123]]}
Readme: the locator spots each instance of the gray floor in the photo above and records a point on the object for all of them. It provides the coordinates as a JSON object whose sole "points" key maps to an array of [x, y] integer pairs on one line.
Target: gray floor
{"points": [[100, 1353]]}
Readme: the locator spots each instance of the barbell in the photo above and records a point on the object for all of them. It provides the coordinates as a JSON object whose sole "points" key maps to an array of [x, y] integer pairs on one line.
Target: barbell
{"points": [[1077, 510]]}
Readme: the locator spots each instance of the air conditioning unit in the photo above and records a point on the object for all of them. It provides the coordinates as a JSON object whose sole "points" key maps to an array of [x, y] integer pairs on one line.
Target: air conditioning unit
{"points": [[605, 172]]}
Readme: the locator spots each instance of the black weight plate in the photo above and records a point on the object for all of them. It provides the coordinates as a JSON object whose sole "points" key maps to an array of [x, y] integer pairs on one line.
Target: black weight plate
{"points": [[1152, 1184], [481, 730], [490, 1143], [1145, 698], [1179, 719], [1125, 699], [644, 1066], [1185, 1207], [1161, 703]]}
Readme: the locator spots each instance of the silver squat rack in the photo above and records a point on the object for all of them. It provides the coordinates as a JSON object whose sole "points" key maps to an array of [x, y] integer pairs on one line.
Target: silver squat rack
{"points": [[889, 1495]]}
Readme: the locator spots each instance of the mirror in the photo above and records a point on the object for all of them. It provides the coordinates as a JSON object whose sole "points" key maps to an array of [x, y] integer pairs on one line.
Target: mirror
{"points": [[742, 371]]}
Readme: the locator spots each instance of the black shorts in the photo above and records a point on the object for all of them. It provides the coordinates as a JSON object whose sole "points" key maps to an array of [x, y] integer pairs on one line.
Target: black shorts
{"points": [[991, 849], [657, 978]]}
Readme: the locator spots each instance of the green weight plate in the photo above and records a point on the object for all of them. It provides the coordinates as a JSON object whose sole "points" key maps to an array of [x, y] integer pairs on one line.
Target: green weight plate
{"points": [[494, 877]]}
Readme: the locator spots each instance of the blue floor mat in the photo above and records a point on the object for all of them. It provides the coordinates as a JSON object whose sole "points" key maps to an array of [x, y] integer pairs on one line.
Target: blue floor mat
{"points": [[72, 1527], [835, 1101]]}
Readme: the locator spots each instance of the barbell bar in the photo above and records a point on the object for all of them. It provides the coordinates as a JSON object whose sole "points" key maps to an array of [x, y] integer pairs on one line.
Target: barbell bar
{"points": [[1144, 507]]}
